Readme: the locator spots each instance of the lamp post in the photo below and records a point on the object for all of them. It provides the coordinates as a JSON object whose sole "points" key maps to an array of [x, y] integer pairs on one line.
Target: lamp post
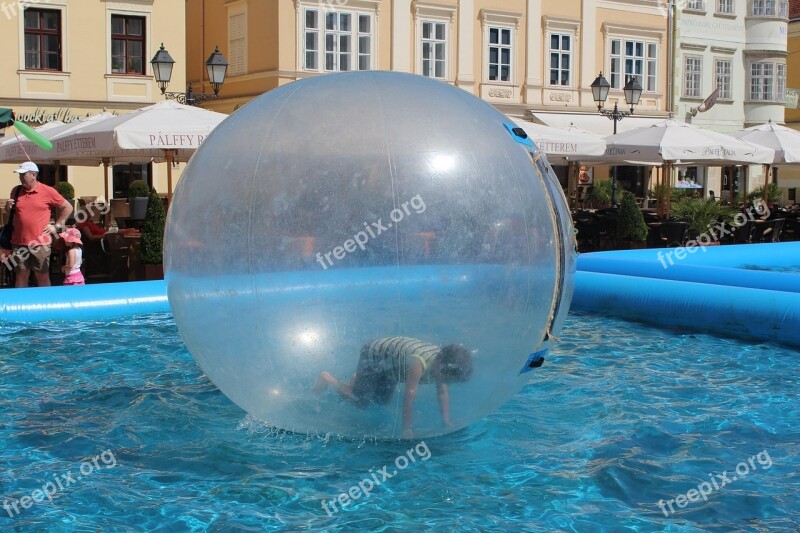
{"points": [[633, 91], [216, 65]]}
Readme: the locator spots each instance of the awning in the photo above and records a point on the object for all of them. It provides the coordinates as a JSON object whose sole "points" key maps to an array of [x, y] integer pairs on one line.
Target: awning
{"points": [[595, 122]]}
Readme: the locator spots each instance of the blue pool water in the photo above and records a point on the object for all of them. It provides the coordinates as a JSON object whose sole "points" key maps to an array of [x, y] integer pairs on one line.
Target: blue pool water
{"points": [[619, 417]]}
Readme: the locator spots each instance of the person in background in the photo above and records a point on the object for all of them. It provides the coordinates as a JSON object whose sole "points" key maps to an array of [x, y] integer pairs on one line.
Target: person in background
{"points": [[90, 230], [72, 268], [31, 238], [712, 195]]}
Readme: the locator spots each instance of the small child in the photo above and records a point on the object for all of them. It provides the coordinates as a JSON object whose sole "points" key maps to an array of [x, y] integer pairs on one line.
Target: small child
{"points": [[72, 270], [385, 362]]}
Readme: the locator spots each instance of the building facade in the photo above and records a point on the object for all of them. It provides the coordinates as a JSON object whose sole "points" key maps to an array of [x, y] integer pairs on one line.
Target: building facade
{"points": [[790, 176], [520, 55], [532, 59], [66, 59], [730, 73]]}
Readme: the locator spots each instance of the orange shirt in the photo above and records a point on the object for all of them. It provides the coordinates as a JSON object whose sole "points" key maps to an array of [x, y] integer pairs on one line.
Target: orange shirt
{"points": [[33, 214]]}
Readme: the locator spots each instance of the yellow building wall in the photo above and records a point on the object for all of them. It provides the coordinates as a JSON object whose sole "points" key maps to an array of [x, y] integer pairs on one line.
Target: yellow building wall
{"points": [[85, 86]]}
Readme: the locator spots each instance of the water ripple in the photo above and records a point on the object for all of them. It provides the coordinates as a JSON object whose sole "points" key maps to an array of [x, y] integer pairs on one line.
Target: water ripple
{"points": [[620, 417]]}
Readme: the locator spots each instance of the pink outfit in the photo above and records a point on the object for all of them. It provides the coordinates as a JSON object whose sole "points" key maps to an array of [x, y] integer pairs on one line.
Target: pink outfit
{"points": [[74, 279]]}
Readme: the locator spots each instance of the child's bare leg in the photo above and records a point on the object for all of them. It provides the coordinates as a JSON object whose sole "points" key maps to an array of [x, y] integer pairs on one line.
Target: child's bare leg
{"points": [[326, 378]]}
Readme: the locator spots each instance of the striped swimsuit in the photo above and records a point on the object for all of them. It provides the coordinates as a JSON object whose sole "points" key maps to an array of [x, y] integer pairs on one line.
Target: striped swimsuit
{"points": [[384, 363]]}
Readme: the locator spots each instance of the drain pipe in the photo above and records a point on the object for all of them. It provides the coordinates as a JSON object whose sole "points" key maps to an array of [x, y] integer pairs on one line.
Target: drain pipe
{"points": [[670, 55]]}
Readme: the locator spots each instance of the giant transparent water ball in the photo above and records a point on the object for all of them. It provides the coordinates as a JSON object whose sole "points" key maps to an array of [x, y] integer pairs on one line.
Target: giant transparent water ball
{"points": [[369, 254]]}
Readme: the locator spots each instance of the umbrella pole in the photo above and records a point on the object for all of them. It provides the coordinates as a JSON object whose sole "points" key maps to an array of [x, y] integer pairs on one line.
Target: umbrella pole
{"points": [[106, 161], [766, 181], [731, 173], [168, 154], [58, 170]]}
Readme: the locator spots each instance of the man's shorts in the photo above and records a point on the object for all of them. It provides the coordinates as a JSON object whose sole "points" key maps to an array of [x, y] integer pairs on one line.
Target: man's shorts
{"points": [[36, 258]]}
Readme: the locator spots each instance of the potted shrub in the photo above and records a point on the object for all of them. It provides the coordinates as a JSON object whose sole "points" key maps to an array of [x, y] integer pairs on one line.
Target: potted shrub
{"points": [[702, 214], [772, 195], [151, 248], [600, 194], [67, 191], [631, 228], [138, 191]]}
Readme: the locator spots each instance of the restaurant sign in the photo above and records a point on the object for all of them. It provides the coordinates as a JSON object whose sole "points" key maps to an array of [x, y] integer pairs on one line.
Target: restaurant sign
{"points": [[64, 114]]}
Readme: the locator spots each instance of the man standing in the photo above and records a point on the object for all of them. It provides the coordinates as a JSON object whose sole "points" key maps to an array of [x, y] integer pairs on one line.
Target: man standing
{"points": [[31, 238]]}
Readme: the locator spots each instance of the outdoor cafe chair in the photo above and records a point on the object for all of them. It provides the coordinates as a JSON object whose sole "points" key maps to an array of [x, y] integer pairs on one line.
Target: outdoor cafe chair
{"points": [[673, 234], [769, 231], [743, 234]]}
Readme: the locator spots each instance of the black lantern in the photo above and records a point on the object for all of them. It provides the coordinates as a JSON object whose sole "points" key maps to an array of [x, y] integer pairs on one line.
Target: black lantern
{"points": [[216, 65]]}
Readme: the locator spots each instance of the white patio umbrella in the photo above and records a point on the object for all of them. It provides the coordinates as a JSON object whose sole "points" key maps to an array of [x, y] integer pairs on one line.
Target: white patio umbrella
{"points": [[563, 144], [785, 141], [18, 148], [166, 131], [681, 143]]}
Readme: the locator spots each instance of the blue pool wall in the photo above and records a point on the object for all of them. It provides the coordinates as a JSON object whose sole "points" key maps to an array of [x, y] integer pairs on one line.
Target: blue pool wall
{"points": [[742, 291], [726, 290]]}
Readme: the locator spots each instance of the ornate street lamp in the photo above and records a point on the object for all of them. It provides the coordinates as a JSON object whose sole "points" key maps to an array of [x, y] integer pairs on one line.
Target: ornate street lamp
{"points": [[216, 65], [633, 92]]}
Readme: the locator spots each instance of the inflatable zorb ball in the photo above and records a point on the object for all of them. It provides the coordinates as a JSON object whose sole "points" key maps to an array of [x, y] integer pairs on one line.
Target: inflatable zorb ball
{"points": [[374, 225]]}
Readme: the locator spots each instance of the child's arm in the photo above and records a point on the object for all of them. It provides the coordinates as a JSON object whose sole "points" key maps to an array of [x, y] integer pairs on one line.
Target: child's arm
{"points": [[444, 402], [70, 261], [410, 394]]}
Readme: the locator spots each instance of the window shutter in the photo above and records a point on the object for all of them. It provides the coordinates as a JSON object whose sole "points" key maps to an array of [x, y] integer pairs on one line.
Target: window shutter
{"points": [[237, 44]]}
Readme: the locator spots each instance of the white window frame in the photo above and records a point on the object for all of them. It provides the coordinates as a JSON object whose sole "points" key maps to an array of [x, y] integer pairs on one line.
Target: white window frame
{"points": [[355, 9], [501, 21], [500, 46], [726, 7], [149, 48], [435, 13], [692, 76], [433, 42], [561, 54], [768, 84], [770, 8], [724, 79], [237, 10], [695, 5], [649, 63]]}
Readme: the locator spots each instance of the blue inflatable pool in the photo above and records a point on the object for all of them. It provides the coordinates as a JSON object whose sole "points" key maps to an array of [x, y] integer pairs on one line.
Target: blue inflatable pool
{"points": [[748, 291]]}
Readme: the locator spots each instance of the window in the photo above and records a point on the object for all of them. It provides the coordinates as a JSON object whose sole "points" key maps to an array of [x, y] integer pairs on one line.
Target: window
{"points": [[347, 38], [312, 40], [434, 45], [696, 5], [123, 175], [42, 39], [499, 54], [560, 59], [768, 82], [780, 83], [722, 69], [771, 8], [725, 7], [237, 44], [634, 58], [692, 77], [127, 45]]}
